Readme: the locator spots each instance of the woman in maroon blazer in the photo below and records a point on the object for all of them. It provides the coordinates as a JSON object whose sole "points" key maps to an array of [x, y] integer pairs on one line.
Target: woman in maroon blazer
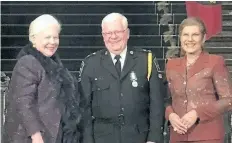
{"points": [[201, 89]]}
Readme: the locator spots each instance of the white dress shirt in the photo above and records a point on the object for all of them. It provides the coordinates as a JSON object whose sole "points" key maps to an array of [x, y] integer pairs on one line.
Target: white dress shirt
{"points": [[122, 59]]}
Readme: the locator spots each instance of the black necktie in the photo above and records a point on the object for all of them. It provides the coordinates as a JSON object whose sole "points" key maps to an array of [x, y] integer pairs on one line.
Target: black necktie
{"points": [[118, 64]]}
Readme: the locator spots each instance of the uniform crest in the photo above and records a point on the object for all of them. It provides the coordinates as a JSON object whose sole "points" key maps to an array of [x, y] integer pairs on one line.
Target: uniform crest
{"points": [[156, 64], [81, 69], [157, 67]]}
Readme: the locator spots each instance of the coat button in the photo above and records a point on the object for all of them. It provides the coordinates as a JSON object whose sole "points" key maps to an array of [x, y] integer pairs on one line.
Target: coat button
{"points": [[121, 95], [185, 101], [122, 109]]}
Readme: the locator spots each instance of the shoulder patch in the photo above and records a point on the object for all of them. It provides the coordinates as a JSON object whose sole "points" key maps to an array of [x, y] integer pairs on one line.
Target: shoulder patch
{"points": [[156, 64], [81, 70], [157, 68]]}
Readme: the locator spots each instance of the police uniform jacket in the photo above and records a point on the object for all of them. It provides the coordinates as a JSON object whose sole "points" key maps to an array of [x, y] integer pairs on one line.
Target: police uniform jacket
{"points": [[121, 109]]}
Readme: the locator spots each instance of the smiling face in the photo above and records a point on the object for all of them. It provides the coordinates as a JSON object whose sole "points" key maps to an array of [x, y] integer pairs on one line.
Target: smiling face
{"points": [[191, 39], [192, 32], [47, 41], [115, 35]]}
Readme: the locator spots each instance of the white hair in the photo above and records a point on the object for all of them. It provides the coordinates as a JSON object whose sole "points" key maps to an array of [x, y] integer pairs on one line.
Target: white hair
{"points": [[113, 17], [41, 23]]}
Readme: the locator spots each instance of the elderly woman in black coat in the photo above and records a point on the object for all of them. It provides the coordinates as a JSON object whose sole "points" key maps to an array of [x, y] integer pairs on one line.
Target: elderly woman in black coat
{"points": [[43, 101]]}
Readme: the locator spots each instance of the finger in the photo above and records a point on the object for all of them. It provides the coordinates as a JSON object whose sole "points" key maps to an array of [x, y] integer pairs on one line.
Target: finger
{"points": [[179, 128], [180, 132], [189, 122], [185, 122], [180, 125]]}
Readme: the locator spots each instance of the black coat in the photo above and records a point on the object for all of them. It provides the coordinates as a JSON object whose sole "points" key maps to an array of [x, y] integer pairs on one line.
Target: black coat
{"points": [[120, 110], [42, 97]]}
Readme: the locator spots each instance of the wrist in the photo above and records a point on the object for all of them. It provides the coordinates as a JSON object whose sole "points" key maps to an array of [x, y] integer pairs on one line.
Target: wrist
{"points": [[170, 115]]}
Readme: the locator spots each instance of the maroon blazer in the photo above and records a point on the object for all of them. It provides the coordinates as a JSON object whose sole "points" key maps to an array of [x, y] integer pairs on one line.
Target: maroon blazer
{"points": [[206, 87]]}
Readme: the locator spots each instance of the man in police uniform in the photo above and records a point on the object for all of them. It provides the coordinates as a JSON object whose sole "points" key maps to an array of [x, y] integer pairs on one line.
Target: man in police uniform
{"points": [[122, 89]]}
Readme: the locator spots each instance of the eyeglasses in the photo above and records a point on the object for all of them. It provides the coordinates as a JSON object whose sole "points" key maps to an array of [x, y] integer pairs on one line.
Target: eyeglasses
{"points": [[118, 33]]}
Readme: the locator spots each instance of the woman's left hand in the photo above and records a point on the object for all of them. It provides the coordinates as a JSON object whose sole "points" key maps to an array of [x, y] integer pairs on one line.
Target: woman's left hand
{"points": [[190, 118]]}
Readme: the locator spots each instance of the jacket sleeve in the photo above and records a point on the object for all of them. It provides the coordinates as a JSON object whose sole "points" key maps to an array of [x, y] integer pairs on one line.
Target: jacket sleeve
{"points": [[223, 86], [156, 107], [86, 93], [168, 98], [25, 80]]}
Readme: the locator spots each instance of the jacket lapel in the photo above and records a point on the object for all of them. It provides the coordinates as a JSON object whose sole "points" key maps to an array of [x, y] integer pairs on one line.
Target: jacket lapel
{"points": [[180, 66], [107, 63], [130, 62], [198, 65]]}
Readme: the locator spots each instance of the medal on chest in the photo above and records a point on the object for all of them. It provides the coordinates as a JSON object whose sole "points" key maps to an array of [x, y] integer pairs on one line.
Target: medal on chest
{"points": [[133, 79]]}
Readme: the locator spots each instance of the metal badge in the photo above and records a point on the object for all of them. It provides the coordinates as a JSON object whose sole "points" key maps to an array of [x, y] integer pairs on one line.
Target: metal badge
{"points": [[134, 83], [160, 76], [133, 76]]}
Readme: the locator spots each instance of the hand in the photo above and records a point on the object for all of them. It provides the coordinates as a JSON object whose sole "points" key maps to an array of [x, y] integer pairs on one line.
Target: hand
{"points": [[37, 138], [176, 123], [189, 118]]}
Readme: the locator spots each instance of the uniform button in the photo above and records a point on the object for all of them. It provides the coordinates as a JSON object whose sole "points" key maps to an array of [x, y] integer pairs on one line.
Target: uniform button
{"points": [[121, 94], [98, 88], [93, 117], [122, 109]]}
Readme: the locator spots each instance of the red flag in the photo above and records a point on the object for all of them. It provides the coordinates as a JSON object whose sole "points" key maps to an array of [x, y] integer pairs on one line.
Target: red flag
{"points": [[210, 12]]}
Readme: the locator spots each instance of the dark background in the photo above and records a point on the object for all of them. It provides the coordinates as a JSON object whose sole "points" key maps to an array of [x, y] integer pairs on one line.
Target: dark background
{"points": [[81, 29]]}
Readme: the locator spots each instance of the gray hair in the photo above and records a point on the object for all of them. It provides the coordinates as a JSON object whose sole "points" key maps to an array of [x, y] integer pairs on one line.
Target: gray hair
{"points": [[115, 16], [41, 23]]}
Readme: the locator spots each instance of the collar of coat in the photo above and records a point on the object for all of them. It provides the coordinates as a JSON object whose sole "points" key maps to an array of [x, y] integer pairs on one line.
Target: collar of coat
{"points": [[52, 65], [57, 73]]}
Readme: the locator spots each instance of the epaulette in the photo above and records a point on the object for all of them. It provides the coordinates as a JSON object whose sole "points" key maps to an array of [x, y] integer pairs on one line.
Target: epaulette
{"points": [[145, 50], [83, 63], [90, 55]]}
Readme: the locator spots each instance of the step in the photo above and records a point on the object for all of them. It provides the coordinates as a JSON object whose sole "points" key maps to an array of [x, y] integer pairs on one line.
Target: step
{"points": [[96, 7], [225, 27], [226, 55], [79, 18], [96, 40], [88, 40], [95, 29], [45, 3], [218, 44], [142, 18], [82, 29], [179, 7], [80, 8], [227, 11], [221, 38], [219, 50]]}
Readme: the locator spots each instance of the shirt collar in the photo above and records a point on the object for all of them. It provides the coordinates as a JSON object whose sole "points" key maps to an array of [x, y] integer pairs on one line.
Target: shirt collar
{"points": [[123, 54]]}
